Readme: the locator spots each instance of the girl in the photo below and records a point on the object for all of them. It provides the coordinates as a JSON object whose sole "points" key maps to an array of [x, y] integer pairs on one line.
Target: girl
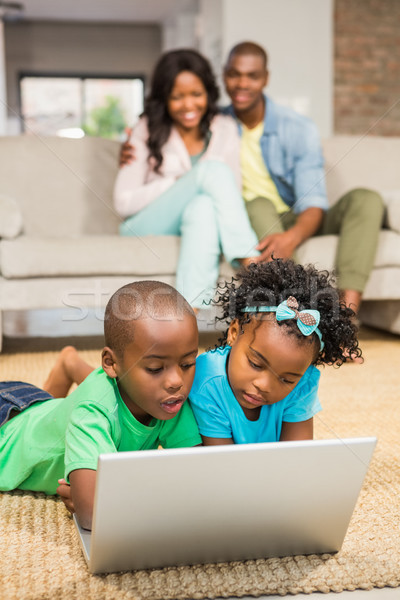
{"points": [[261, 383], [185, 178]]}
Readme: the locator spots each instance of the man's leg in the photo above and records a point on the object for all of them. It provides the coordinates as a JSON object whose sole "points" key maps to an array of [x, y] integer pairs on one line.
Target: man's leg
{"points": [[264, 217], [357, 219]]}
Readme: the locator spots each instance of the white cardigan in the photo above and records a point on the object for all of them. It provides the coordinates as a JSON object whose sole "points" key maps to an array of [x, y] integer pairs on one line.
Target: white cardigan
{"points": [[137, 184]]}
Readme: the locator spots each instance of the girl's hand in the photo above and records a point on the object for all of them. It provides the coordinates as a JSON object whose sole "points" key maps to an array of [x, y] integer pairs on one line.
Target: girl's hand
{"points": [[64, 491]]}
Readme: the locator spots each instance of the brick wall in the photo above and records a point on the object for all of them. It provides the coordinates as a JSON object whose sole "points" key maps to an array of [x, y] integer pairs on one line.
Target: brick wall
{"points": [[367, 67]]}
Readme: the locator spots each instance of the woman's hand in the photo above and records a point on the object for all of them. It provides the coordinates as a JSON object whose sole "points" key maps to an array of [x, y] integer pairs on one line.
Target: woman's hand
{"points": [[127, 151]]}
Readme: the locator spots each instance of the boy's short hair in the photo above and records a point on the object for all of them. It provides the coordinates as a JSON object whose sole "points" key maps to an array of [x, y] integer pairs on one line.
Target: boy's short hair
{"points": [[138, 300]]}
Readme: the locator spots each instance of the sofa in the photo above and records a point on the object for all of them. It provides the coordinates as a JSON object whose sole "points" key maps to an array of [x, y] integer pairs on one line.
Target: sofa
{"points": [[59, 242]]}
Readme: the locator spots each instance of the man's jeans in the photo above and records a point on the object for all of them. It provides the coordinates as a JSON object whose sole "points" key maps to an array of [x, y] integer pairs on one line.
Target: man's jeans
{"points": [[17, 396]]}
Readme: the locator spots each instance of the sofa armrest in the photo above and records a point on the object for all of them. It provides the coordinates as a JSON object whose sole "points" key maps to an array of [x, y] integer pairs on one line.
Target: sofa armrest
{"points": [[392, 203], [11, 221]]}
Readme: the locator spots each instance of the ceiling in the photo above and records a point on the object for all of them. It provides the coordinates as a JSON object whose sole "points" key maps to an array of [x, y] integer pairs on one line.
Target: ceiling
{"points": [[155, 11]]}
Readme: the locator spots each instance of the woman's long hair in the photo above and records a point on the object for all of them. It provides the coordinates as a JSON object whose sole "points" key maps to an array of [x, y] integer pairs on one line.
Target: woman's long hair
{"points": [[170, 65]]}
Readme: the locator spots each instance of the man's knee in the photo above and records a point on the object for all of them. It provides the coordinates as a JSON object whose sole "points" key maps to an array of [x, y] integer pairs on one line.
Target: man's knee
{"points": [[264, 217], [365, 201], [260, 204]]}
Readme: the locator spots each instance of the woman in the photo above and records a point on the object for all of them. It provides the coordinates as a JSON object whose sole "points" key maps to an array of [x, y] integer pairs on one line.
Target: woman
{"points": [[185, 178]]}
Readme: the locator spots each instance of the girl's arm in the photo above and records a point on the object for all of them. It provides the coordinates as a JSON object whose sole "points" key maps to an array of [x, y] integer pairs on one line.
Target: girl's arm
{"points": [[208, 441], [132, 192], [83, 482], [303, 430]]}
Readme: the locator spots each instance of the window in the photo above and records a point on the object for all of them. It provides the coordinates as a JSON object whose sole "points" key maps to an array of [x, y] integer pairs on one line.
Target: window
{"points": [[74, 106]]}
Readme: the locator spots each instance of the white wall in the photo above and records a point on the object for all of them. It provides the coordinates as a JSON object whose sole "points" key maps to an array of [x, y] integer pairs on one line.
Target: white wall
{"points": [[210, 34], [3, 93], [298, 36]]}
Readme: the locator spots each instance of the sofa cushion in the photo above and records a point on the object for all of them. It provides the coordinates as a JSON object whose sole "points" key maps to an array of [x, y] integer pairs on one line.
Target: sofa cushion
{"points": [[353, 161], [10, 218], [392, 201], [89, 255], [150, 256], [321, 250], [62, 186]]}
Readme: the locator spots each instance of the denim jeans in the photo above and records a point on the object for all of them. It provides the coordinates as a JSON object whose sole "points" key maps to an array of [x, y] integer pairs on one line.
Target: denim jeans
{"points": [[17, 395]]}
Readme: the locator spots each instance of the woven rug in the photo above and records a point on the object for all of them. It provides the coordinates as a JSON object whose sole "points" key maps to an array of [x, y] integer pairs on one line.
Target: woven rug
{"points": [[40, 556]]}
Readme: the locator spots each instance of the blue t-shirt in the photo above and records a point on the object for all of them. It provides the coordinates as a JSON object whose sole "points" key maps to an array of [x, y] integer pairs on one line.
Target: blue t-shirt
{"points": [[219, 414]]}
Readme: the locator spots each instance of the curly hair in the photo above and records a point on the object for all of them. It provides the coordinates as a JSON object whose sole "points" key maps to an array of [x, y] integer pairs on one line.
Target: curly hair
{"points": [[170, 65], [269, 284]]}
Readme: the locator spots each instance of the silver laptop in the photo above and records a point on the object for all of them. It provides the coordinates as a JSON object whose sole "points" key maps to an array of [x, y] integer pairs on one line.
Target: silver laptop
{"points": [[160, 508]]}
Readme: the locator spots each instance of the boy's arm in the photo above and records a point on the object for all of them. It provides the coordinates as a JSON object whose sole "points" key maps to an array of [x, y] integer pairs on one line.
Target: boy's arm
{"points": [[302, 430], [83, 482]]}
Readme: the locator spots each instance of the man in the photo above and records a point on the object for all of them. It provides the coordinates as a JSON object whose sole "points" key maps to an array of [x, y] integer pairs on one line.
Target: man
{"points": [[284, 182], [283, 179]]}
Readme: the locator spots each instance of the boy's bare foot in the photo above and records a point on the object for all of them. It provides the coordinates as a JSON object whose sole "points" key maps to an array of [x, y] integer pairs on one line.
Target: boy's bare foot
{"points": [[353, 358], [60, 379]]}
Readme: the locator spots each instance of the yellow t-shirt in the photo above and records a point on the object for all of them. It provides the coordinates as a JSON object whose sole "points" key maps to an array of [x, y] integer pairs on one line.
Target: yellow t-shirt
{"points": [[256, 180]]}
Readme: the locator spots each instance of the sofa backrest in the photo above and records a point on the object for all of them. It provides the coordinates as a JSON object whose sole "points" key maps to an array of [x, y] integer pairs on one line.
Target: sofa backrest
{"points": [[353, 161], [63, 186]]}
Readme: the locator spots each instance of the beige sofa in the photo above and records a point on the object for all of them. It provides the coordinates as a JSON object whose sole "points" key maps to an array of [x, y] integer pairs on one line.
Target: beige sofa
{"points": [[59, 243]]}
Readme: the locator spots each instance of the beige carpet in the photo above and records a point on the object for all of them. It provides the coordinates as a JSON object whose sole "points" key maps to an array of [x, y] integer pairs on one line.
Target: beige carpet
{"points": [[40, 557]]}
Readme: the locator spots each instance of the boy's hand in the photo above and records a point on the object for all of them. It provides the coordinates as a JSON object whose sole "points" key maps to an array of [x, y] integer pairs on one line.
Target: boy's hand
{"points": [[127, 151], [64, 491]]}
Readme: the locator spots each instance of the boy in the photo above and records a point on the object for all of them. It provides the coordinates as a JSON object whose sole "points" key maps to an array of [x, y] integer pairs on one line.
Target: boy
{"points": [[136, 401]]}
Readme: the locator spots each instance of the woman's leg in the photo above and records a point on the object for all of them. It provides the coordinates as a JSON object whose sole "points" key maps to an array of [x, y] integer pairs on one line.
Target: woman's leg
{"points": [[211, 178], [237, 238], [198, 264], [164, 215], [69, 368], [216, 220]]}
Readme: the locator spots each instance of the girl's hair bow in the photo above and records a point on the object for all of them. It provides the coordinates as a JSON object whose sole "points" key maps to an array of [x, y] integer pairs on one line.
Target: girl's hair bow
{"points": [[307, 320]]}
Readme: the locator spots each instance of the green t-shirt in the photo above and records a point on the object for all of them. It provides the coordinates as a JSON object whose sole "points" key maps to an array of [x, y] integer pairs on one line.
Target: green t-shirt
{"points": [[50, 439]]}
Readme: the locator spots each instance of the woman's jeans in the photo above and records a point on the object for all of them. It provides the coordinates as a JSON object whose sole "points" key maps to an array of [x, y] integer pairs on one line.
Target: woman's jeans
{"points": [[206, 209], [17, 396]]}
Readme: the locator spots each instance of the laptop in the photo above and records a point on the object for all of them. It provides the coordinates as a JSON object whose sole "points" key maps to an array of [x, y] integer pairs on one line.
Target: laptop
{"points": [[160, 508]]}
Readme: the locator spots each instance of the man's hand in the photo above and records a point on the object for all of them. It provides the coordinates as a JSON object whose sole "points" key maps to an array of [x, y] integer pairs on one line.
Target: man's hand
{"points": [[64, 491], [127, 151], [281, 245]]}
